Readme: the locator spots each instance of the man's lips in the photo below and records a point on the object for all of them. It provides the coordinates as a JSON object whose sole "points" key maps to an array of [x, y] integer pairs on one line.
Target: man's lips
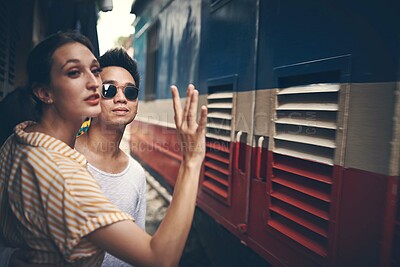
{"points": [[121, 109]]}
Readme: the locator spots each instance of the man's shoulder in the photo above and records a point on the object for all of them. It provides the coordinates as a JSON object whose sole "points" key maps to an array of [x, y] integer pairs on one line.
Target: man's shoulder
{"points": [[134, 164]]}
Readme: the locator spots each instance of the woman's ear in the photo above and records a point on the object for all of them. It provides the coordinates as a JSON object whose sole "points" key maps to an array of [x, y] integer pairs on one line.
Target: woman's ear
{"points": [[42, 93]]}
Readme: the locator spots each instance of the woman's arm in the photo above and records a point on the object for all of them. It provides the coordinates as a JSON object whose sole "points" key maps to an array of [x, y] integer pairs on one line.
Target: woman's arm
{"points": [[125, 239]]}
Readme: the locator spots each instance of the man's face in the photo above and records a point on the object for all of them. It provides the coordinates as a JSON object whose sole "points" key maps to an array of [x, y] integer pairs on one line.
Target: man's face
{"points": [[119, 110]]}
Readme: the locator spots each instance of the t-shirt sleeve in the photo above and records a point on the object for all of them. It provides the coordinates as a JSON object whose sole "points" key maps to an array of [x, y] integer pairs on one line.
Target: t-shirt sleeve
{"points": [[75, 208], [142, 203]]}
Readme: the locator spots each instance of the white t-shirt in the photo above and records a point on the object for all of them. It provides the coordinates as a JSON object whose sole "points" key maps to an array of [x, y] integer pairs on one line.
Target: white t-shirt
{"points": [[127, 190]]}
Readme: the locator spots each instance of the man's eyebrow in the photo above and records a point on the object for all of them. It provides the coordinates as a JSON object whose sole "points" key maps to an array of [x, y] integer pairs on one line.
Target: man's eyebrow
{"points": [[110, 81], [115, 82]]}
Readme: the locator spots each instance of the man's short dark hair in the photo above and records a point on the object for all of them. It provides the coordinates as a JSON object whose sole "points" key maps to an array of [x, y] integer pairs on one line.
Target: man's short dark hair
{"points": [[117, 57]]}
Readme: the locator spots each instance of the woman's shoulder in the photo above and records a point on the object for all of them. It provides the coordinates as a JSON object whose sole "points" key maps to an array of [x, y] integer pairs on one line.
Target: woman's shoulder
{"points": [[54, 163]]}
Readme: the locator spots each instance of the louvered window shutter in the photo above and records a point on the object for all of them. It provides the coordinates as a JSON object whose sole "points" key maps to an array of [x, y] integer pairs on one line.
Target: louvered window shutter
{"points": [[219, 129], [304, 142]]}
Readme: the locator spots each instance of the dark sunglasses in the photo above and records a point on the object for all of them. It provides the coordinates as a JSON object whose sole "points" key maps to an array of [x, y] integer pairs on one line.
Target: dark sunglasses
{"points": [[110, 90]]}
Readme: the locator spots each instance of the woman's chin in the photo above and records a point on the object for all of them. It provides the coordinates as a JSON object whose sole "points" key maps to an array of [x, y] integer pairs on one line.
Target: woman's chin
{"points": [[94, 112]]}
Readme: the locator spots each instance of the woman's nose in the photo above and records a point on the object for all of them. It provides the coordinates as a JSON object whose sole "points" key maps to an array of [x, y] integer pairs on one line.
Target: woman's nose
{"points": [[93, 82]]}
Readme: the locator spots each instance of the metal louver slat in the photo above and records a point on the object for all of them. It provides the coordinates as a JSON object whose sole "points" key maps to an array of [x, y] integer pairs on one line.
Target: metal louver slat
{"points": [[300, 220], [301, 205], [311, 88], [300, 238], [216, 136], [214, 188], [305, 122], [213, 145], [220, 158], [309, 170], [303, 189], [220, 96], [220, 115], [220, 106], [311, 140], [219, 126], [310, 156], [309, 106], [216, 178]]}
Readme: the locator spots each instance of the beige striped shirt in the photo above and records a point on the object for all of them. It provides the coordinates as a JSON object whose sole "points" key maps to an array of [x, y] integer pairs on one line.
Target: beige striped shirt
{"points": [[49, 202]]}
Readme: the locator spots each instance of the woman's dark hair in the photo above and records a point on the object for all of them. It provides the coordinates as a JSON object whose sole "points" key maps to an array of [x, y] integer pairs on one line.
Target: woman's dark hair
{"points": [[118, 57], [40, 59]]}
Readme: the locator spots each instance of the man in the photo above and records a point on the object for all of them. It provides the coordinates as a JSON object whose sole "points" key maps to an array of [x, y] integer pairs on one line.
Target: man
{"points": [[121, 178]]}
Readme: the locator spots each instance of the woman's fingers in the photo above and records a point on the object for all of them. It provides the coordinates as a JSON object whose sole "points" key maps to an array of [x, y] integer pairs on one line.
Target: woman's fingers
{"points": [[177, 105], [186, 109], [203, 120], [191, 130], [192, 114], [190, 106], [188, 115]]}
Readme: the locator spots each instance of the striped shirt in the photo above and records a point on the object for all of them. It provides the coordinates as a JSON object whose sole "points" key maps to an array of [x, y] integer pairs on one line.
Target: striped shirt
{"points": [[49, 202]]}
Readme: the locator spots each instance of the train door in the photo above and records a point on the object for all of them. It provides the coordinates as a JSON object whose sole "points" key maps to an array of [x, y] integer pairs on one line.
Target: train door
{"points": [[225, 183], [228, 64], [298, 142]]}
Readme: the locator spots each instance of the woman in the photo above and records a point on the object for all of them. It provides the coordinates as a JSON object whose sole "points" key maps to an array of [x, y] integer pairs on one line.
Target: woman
{"points": [[49, 202]]}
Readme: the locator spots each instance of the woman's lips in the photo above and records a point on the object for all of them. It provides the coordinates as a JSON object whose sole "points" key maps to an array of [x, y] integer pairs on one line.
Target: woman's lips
{"points": [[93, 99]]}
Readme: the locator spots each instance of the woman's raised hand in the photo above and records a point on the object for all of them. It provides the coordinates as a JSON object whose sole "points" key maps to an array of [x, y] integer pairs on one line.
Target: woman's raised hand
{"points": [[191, 133]]}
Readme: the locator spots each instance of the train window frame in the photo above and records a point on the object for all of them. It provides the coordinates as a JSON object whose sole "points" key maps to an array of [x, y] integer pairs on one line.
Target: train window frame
{"points": [[338, 63], [320, 68], [216, 4]]}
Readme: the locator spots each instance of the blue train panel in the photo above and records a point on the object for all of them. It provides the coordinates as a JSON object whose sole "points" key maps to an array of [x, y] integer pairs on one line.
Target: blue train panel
{"points": [[300, 31]]}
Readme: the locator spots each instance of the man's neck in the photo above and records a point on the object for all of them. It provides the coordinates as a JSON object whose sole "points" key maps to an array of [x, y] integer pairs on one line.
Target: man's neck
{"points": [[104, 140], [100, 146]]}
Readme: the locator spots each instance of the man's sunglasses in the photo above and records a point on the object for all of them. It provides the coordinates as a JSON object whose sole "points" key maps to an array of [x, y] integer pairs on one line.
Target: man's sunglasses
{"points": [[110, 90]]}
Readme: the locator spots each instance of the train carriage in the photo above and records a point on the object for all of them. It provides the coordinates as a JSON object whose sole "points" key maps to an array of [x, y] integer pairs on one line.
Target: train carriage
{"points": [[303, 130]]}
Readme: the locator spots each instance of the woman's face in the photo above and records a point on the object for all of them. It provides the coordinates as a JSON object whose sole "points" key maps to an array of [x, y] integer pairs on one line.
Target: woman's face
{"points": [[75, 82]]}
